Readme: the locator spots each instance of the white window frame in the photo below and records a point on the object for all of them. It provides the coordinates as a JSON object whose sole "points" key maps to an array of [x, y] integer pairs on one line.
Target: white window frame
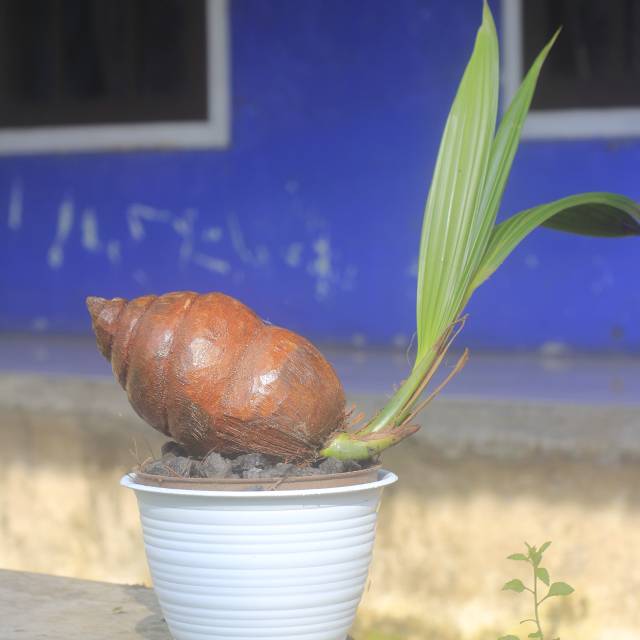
{"points": [[214, 132], [556, 123]]}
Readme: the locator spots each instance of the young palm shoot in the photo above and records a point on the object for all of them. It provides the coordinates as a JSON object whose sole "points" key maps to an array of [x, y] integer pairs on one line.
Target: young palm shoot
{"points": [[461, 245]]}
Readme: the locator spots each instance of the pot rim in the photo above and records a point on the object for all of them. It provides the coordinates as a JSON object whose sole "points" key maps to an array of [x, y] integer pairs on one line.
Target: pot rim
{"points": [[385, 478], [361, 476]]}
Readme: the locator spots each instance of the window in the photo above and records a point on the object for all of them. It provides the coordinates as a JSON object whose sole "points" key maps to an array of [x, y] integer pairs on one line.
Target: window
{"points": [[112, 74], [591, 81]]}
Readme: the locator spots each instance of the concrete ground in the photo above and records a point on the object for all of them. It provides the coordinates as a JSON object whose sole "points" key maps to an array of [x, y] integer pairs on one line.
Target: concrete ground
{"points": [[35, 605], [518, 448], [40, 606]]}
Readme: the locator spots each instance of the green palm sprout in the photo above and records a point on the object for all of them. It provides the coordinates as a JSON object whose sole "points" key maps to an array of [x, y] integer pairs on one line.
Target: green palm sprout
{"points": [[461, 244]]}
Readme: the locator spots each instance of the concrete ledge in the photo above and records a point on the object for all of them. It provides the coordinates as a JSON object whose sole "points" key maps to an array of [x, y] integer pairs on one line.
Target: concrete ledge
{"points": [[40, 606], [453, 426], [511, 406]]}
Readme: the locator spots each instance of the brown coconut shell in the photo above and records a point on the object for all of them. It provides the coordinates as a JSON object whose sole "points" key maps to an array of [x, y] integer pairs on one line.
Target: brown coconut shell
{"points": [[206, 371]]}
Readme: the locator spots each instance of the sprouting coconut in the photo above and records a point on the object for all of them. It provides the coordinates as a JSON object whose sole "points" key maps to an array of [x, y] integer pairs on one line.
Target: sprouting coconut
{"points": [[208, 372]]}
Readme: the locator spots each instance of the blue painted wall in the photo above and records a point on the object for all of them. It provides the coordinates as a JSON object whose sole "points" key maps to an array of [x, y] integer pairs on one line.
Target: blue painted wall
{"points": [[312, 215]]}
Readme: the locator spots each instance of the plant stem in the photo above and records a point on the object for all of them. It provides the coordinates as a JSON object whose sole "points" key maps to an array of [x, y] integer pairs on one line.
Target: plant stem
{"points": [[394, 408], [536, 603], [393, 423], [357, 446], [385, 429]]}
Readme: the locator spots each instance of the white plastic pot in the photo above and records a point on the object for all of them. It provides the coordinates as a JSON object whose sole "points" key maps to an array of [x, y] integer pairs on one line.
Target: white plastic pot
{"points": [[242, 565]]}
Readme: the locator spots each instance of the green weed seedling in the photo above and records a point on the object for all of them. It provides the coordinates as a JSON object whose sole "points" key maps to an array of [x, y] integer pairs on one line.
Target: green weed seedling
{"points": [[533, 557]]}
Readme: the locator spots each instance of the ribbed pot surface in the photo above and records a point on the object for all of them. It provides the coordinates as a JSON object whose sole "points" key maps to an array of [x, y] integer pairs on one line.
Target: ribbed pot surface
{"points": [[285, 565]]}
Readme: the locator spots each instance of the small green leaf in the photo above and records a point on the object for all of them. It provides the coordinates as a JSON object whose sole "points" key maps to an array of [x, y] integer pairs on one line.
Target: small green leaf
{"points": [[543, 575], [560, 589], [509, 638], [535, 634], [545, 546], [518, 556], [514, 585]]}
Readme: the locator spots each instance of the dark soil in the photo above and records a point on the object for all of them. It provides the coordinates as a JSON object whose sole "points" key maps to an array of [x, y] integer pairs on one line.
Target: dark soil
{"points": [[255, 466]]}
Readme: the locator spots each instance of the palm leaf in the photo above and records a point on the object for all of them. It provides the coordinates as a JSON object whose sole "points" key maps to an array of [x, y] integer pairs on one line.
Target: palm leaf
{"points": [[505, 145], [453, 239], [594, 214]]}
